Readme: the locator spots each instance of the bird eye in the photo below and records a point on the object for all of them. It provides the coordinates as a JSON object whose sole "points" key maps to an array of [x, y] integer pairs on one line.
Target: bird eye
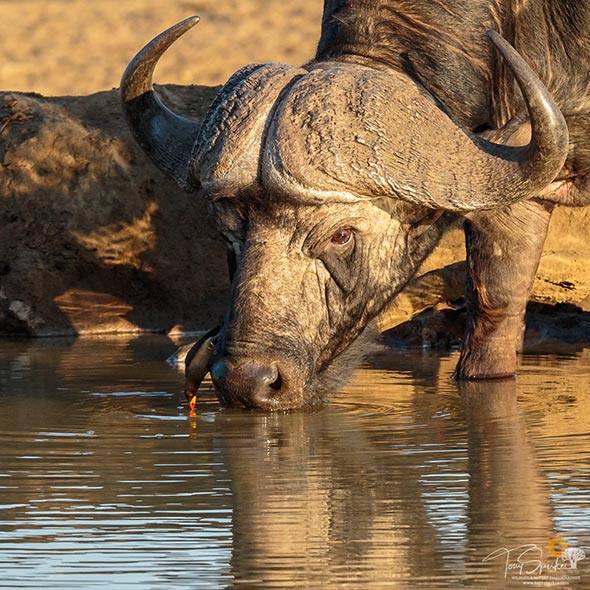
{"points": [[342, 237]]}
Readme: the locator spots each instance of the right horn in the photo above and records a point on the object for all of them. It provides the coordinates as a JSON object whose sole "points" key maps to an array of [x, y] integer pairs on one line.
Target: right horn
{"points": [[537, 164], [471, 173]]}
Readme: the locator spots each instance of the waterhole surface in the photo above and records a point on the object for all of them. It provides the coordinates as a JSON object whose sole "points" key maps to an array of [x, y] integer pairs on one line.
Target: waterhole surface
{"points": [[405, 480]]}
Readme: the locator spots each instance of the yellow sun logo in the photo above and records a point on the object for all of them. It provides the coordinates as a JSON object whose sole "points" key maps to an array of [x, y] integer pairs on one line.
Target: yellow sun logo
{"points": [[556, 546]]}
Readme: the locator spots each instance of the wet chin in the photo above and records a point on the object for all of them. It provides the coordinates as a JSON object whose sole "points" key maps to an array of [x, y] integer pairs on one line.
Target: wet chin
{"points": [[308, 397]]}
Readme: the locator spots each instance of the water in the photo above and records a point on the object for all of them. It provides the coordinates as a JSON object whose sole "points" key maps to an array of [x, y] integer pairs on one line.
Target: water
{"points": [[404, 480]]}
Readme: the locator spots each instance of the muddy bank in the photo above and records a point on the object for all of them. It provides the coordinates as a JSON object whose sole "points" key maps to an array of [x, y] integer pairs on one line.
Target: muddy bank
{"points": [[94, 239]]}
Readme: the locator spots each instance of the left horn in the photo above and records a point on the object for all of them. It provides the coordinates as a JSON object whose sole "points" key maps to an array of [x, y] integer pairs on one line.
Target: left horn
{"points": [[167, 138]]}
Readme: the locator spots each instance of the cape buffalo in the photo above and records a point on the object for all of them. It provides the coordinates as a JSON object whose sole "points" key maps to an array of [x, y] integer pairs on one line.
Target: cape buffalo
{"points": [[332, 181]]}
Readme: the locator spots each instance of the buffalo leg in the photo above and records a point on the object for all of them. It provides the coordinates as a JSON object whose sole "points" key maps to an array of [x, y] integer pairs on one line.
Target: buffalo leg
{"points": [[504, 248]]}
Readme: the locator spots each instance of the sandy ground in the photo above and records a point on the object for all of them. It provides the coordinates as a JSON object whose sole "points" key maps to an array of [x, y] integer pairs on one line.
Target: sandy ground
{"points": [[61, 47]]}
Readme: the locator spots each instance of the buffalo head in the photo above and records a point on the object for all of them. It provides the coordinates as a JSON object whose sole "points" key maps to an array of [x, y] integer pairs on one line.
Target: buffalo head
{"points": [[330, 184]]}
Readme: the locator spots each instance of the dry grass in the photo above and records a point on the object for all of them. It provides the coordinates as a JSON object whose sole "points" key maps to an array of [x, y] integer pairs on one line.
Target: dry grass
{"points": [[60, 47]]}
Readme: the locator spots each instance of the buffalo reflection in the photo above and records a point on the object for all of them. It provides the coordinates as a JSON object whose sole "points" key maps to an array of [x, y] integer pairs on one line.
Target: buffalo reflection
{"points": [[340, 497], [310, 497]]}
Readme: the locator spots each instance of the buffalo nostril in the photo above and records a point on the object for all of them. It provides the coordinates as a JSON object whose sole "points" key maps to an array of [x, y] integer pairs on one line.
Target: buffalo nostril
{"points": [[270, 376], [277, 381]]}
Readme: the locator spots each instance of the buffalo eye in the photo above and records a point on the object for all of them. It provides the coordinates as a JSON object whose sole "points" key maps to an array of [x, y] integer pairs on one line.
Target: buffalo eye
{"points": [[342, 237], [339, 258]]}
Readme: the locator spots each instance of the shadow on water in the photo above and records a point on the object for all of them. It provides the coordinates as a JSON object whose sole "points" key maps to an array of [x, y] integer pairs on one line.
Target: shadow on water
{"points": [[406, 479]]}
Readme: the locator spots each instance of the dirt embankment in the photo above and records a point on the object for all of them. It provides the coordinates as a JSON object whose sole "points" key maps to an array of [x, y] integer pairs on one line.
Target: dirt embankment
{"points": [[92, 237]]}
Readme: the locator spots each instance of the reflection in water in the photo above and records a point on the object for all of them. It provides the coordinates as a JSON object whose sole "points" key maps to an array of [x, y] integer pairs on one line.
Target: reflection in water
{"points": [[508, 501], [406, 479], [338, 508]]}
